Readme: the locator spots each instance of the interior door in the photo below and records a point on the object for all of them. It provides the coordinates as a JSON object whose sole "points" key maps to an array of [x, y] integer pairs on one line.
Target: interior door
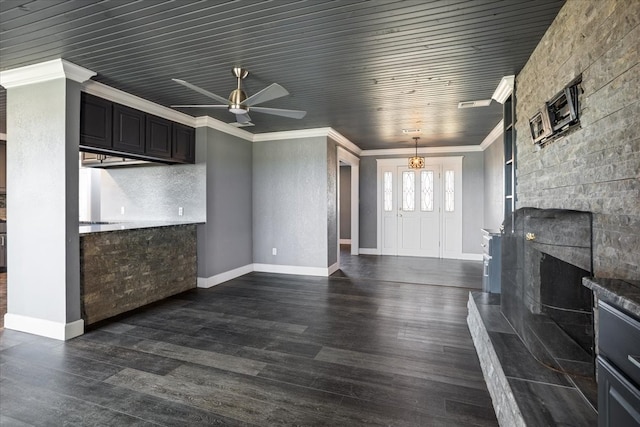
{"points": [[418, 206]]}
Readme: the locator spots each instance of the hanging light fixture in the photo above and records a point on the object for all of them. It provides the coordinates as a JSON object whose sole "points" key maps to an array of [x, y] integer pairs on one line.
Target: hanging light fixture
{"points": [[416, 162]]}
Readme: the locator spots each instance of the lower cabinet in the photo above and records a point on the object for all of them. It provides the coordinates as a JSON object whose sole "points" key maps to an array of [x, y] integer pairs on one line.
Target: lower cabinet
{"points": [[618, 398]]}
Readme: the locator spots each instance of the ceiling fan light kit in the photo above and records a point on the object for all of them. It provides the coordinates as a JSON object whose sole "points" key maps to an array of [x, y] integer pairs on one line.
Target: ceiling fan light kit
{"points": [[239, 104], [416, 162]]}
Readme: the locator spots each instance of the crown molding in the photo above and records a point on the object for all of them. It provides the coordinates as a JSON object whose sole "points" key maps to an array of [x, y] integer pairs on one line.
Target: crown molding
{"points": [[210, 122], [421, 150], [504, 89], [326, 132], [44, 71], [493, 135], [116, 95]]}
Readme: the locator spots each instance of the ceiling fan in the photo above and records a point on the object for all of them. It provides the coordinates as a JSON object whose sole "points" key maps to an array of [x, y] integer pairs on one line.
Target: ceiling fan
{"points": [[238, 102]]}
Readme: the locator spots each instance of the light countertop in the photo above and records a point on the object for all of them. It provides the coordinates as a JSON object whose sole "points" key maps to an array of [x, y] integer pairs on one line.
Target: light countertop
{"points": [[131, 225]]}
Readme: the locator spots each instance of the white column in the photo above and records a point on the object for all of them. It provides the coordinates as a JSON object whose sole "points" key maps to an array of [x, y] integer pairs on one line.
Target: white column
{"points": [[43, 262]]}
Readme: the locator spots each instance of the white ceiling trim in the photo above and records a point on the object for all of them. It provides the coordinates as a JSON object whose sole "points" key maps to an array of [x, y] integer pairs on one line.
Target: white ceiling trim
{"points": [[216, 124], [121, 97], [504, 89], [421, 150], [44, 71], [493, 135], [309, 133]]}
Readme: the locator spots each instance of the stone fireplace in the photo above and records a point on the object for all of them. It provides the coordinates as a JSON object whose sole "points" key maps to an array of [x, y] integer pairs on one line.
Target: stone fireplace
{"points": [[546, 253]]}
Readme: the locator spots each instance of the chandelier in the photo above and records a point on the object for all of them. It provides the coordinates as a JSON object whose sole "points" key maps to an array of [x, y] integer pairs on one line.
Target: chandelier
{"points": [[416, 162]]}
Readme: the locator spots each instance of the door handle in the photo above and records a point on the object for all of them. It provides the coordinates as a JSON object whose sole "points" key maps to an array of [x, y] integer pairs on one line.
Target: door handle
{"points": [[1, 240]]}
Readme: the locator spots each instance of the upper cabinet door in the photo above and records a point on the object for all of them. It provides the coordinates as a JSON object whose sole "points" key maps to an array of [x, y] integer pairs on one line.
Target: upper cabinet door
{"points": [[95, 121], [128, 129], [184, 143], [158, 141]]}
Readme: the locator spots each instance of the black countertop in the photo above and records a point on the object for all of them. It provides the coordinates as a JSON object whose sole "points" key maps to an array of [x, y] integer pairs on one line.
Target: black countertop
{"points": [[624, 294]]}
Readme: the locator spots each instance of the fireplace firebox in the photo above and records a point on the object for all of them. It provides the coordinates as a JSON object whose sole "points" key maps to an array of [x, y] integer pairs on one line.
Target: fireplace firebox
{"points": [[545, 254]]}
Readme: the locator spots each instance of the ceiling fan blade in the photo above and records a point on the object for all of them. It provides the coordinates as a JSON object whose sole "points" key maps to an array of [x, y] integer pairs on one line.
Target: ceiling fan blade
{"points": [[294, 114], [202, 91], [270, 92], [243, 118], [200, 106]]}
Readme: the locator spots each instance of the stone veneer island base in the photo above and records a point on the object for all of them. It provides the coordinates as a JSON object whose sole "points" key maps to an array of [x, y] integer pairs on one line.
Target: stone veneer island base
{"points": [[121, 270]]}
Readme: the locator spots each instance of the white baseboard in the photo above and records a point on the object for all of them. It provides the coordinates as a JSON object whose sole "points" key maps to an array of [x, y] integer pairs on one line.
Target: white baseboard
{"points": [[44, 328], [468, 257], [369, 251], [345, 241], [207, 282], [292, 269], [333, 268]]}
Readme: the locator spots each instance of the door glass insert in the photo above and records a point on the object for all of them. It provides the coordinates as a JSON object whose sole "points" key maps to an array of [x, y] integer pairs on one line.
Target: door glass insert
{"points": [[408, 191], [449, 191], [426, 191], [388, 191]]}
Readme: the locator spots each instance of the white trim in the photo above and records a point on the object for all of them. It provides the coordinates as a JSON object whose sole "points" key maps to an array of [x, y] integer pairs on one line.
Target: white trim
{"points": [[44, 71], [308, 133], [341, 140], [42, 327], [292, 269], [333, 268], [369, 251], [468, 257], [207, 282], [421, 150], [212, 123], [345, 241], [504, 89], [493, 136], [124, 98]]}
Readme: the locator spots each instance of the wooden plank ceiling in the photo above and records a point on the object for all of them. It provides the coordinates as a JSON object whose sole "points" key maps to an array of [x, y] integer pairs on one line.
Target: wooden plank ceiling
{"points": [[366, 68]]}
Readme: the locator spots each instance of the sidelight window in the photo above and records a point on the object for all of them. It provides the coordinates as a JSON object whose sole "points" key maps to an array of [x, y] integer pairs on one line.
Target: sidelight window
{"points": [[388, 191]]}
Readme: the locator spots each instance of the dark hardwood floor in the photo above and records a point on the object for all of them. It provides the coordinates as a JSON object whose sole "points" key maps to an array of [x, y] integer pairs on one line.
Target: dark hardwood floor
{"points": [[262, 349]]}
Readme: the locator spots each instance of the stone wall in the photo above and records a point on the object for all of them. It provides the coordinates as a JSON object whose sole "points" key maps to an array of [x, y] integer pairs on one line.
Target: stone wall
{"points": [[597, 167], [127, 269]]}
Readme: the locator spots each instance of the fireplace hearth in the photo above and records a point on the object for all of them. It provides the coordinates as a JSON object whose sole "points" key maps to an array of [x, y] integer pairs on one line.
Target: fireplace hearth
{"points": [[545, 255]]}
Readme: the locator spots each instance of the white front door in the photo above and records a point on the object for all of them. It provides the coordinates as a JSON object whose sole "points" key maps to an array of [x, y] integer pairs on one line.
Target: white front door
{"points": [[420, 210]]}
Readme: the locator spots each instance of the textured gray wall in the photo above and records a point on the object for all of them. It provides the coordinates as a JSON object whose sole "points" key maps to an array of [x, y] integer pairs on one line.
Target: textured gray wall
{"points": [[597, 167], [153, 193], [472, 200], [228, 233], [345, 202], [494, 184], [44, 123], [332, 202], [290, 202]]}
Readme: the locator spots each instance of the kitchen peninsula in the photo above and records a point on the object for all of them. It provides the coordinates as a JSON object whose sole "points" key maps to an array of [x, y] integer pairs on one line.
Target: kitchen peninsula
{"points": [[127, 265]]}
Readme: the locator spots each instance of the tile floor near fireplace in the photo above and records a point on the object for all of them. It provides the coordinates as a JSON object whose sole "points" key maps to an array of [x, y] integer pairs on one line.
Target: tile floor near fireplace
{"points": [[525, 392]]}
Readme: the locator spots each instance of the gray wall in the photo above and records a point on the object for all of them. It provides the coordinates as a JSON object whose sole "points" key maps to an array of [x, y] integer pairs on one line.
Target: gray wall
{"points": [[153, 193], [597, 167], [494, 184], [345, 202], [290, 199], [225, 242], [472, 200]]}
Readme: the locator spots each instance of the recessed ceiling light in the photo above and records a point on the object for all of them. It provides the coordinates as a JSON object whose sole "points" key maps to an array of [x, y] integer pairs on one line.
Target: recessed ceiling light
{"points": [[472, 104], [411, 130]]}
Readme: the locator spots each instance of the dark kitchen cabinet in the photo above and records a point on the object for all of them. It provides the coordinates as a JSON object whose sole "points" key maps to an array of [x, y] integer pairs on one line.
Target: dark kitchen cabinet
{"points": [[158, 137], [95, 121], [128, 129], [184, 143]]}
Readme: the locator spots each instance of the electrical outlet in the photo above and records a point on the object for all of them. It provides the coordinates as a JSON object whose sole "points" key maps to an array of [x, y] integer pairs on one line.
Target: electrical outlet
{"points": [[274, 251], [121, 210], [180, 211]]}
